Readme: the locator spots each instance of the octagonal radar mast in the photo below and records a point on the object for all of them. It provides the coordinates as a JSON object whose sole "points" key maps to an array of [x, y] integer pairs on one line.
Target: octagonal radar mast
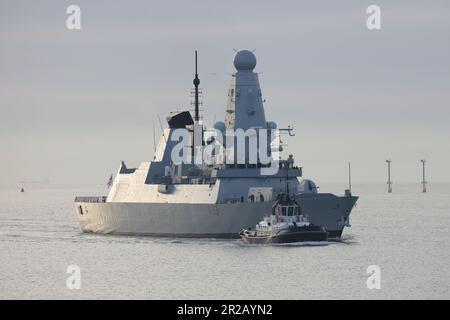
{"points": [[244, 104]]}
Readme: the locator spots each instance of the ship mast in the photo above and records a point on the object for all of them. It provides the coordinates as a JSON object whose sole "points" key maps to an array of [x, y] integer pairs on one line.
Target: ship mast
{"points": [[197, 138], [196, 83]]}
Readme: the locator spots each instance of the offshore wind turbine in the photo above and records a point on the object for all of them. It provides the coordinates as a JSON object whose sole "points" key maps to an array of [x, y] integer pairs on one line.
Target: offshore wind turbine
{"points": [[389, 182], [424, 183]]}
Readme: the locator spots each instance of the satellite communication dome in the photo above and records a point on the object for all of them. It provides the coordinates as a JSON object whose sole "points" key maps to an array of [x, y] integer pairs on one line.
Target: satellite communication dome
{"points": [[219, 125], [244, 60], [271, 125]]}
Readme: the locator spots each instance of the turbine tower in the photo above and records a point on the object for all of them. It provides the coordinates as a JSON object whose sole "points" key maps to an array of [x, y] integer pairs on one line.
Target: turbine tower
{"points": [[424, 183], [389, 182]]}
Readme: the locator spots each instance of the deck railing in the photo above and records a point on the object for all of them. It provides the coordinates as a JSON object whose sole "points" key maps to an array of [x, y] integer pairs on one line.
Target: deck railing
{"points": [[91, 199]]}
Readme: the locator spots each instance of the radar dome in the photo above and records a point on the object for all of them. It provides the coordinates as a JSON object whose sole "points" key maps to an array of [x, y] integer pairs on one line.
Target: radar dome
{"points": [[219, 125], [271, 125], [244, 60]]}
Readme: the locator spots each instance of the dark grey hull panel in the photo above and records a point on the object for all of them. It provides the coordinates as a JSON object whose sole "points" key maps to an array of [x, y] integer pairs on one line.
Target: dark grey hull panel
{"points": [[290, 237]]}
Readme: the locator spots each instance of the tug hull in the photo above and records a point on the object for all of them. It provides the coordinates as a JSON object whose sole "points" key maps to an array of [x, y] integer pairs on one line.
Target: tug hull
{"points": [[300, 234]]}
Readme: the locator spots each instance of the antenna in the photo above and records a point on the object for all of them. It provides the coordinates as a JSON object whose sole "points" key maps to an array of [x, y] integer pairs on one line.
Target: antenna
{"points": [[154, 139], [424, 183], [389, 182], [196, 83], [349, 177], [287, 182], [162, 129]]}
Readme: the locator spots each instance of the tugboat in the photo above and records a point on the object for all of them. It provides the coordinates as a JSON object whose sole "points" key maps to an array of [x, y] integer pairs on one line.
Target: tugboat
{"points": [[286, 224]]}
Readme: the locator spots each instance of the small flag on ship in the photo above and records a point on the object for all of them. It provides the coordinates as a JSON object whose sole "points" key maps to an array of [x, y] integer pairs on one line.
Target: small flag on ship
{"points": [[110, 181]]}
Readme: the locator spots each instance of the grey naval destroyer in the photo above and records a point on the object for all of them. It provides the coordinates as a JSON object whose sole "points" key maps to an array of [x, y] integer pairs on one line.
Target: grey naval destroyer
{"points": [[161, 198]]}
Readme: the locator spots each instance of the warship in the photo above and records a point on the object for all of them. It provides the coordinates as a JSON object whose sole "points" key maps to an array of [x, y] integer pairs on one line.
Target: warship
{"points": [[214, 199]]}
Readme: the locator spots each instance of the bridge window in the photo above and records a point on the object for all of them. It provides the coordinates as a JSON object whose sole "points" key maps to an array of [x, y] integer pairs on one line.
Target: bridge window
{"points": [[291, 211]]}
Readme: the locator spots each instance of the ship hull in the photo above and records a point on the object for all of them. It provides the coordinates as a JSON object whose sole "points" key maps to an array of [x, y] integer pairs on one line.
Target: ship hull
{"points": [[201, 220], [300, 234], [328, 210]]}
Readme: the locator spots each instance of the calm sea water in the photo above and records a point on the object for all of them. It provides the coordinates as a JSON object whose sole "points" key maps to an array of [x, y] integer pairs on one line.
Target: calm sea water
{"points": [[405, 233]]}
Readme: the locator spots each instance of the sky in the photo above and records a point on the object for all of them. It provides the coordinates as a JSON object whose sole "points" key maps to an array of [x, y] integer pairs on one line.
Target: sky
{"points": [[74, 103]]}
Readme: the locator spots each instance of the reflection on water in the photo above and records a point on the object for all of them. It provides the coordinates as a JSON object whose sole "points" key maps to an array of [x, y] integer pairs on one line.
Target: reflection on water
{"points": [[405, 233]]}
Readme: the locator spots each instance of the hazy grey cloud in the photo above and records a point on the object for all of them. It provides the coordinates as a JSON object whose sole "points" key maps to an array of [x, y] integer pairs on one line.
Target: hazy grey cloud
{"points": [[75, 103]]}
